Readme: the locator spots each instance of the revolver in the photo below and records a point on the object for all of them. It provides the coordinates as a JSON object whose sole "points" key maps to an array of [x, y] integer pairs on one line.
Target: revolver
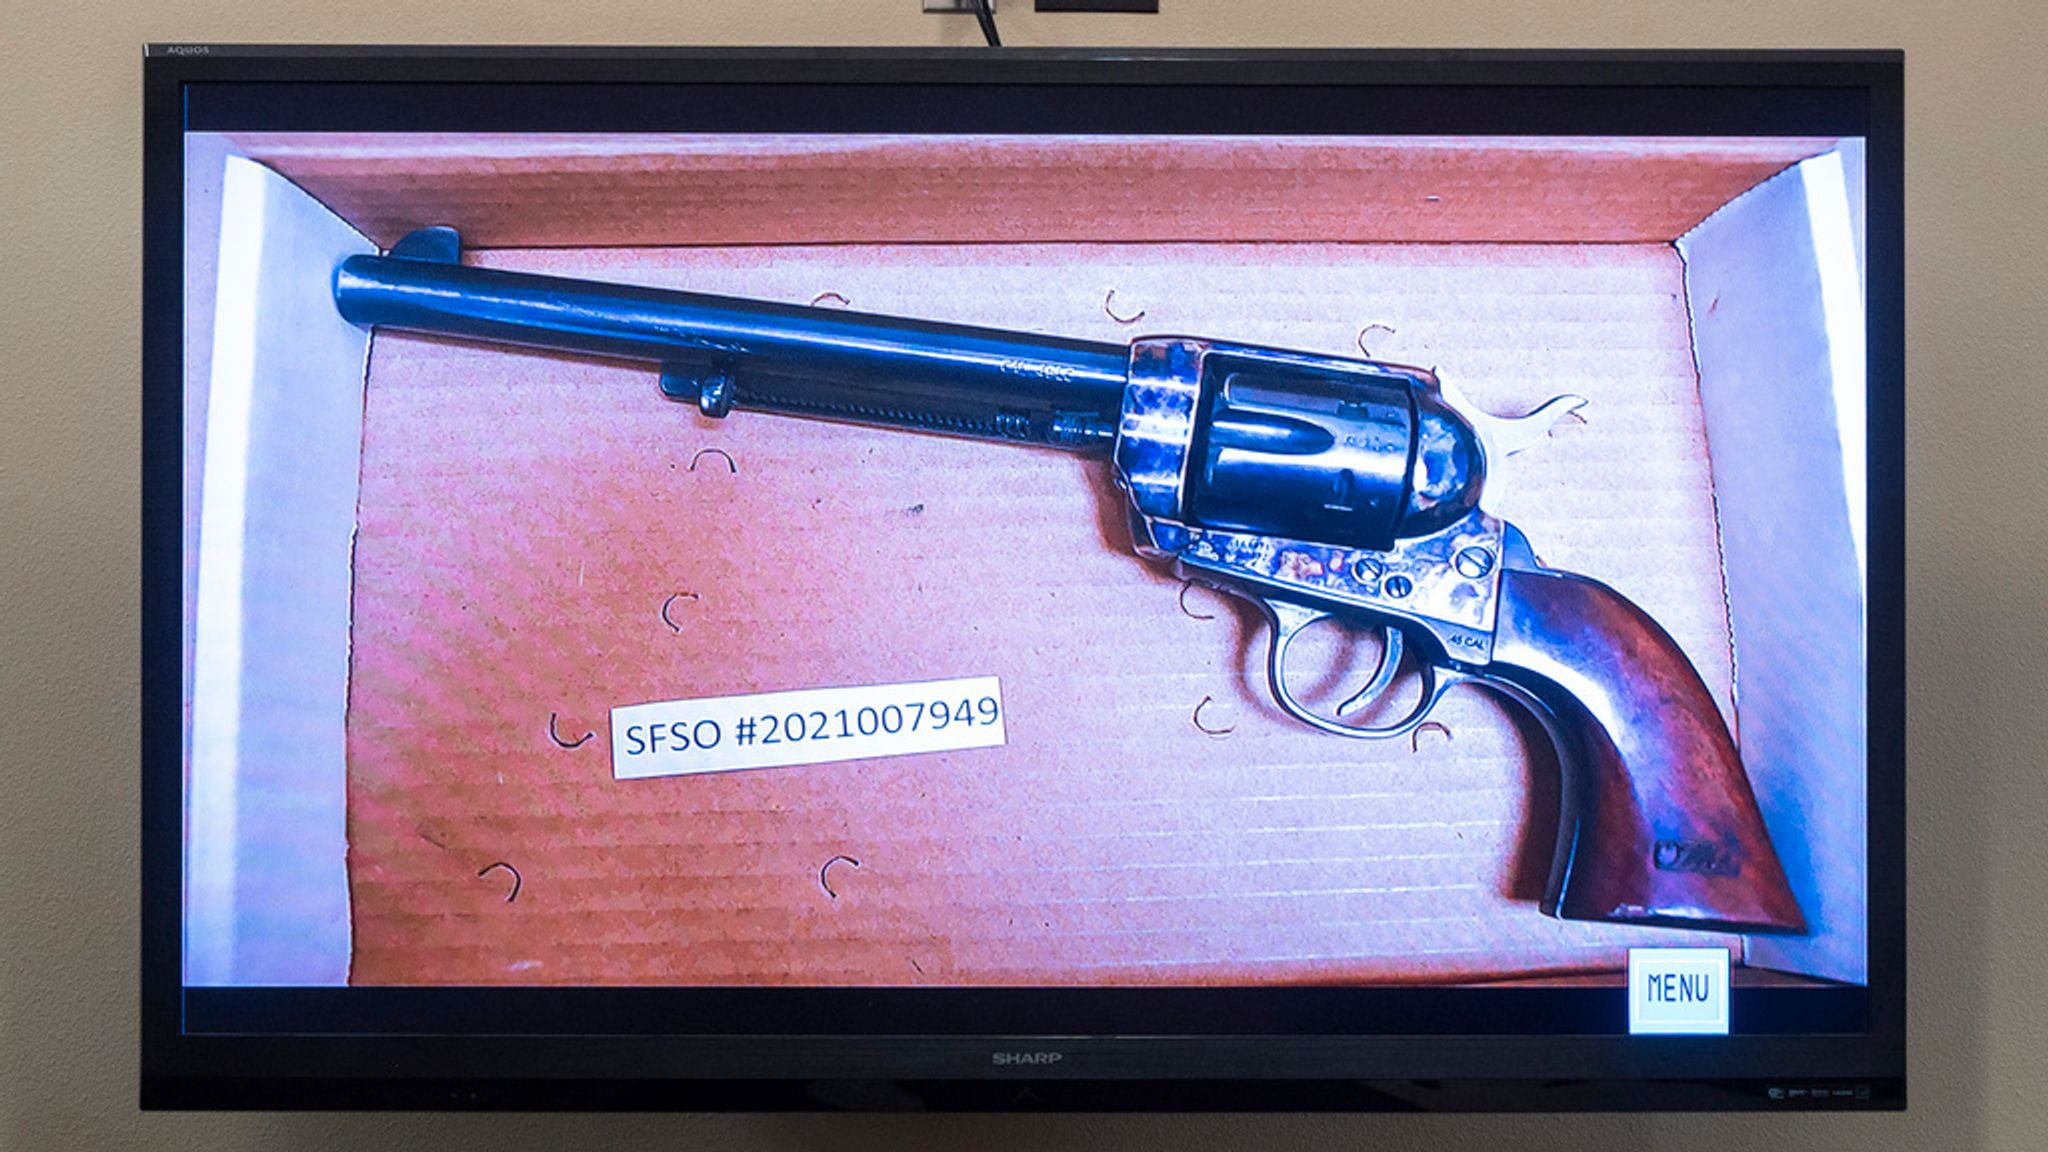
{"points": [[1320, 488]]}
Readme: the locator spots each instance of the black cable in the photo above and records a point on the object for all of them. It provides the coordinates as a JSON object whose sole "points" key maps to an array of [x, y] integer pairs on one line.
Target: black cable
{"points": [[984, 11]]}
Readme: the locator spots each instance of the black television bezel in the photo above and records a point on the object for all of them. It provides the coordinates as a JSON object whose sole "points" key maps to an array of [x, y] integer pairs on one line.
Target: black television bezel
{"points": [[1114, 1067]]}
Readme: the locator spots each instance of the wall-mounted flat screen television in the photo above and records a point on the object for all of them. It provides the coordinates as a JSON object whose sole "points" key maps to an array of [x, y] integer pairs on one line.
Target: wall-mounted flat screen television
{"points": [[1022, 579]]}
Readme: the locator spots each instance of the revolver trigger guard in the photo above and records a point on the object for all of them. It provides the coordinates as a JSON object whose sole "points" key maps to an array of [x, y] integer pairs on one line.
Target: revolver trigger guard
{"points": [[1291, 620]]}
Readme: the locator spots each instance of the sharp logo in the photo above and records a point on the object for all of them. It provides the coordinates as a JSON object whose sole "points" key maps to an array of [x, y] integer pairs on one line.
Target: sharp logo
{"points": [[1005, 1059]]}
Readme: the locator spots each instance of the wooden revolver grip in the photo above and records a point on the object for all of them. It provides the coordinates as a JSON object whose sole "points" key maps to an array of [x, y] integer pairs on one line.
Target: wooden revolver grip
{"points": [[1658, 822]]}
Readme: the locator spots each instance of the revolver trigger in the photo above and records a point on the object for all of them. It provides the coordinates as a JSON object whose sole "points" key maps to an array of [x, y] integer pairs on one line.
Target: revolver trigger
{"points": [[1391, 640], [1290, 620]]}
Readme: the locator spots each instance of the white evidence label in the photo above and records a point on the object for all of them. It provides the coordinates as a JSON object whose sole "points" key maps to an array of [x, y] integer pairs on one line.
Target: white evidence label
{"points": [[807, 726]]}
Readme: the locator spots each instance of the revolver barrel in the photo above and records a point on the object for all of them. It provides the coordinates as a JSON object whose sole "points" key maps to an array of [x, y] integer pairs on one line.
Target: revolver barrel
{"points": [[725, 353], [1211, 435]]}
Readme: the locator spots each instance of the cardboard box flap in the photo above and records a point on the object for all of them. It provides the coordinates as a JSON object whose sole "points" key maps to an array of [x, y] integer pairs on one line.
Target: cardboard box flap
{"points": [[529, 191], [1774, 282], [272, 508]]}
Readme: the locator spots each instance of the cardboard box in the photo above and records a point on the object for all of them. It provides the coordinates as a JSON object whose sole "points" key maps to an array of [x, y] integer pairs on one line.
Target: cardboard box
{"points": [[502, 546]]}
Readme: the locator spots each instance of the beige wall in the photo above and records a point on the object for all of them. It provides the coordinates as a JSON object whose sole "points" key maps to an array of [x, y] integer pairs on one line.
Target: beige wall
{"points": [[69, 164]]}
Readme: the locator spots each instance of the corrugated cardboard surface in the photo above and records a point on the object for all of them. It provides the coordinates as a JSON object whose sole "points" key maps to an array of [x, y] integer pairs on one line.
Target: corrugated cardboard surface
{"points": [[525, 516]]}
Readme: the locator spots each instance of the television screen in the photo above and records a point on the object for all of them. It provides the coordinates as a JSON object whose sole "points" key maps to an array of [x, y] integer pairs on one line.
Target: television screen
{"points": [[985, 580]]}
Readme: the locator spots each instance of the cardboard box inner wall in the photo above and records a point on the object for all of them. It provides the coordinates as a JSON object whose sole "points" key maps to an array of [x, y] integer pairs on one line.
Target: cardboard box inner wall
{"points": [[524, 519]]}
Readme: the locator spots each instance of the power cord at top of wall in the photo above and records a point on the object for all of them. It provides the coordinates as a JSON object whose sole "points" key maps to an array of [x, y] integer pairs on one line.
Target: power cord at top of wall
{"points": [[985, 14]]}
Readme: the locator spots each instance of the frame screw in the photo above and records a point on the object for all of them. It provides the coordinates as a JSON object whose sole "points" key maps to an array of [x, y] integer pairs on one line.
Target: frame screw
{"points": [[1399, 586], [1473, 563], [1366, 569]]}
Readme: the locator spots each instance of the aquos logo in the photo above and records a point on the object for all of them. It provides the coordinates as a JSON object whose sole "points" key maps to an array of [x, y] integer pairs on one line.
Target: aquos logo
{"points": [[1004, 1059]]}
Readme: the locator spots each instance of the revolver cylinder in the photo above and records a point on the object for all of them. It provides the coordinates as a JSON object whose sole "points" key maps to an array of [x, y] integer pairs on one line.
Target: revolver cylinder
{"points": [[1291, 445]]}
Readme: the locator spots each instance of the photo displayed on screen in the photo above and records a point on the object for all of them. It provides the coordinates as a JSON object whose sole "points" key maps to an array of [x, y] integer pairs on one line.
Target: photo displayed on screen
{"points": [[849, 560]]}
